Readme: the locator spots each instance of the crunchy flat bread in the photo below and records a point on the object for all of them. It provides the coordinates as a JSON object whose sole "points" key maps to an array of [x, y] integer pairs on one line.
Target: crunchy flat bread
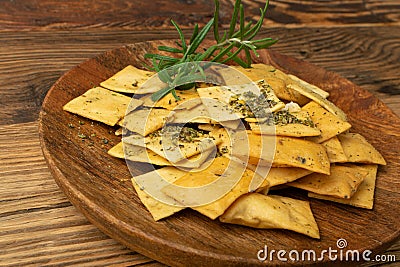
{"points": [[188, 100], [285, 152], [335, 150], [272, 212], [277, 79], [141, 154], [248, 101], [127, 80], [329, 124], [364, 196], [175, 143], [158, 209], [358, 149], [277, 176], [328, 105], [217, 170], [342, 182], [146, 121], [286, 123], [102, 105]]}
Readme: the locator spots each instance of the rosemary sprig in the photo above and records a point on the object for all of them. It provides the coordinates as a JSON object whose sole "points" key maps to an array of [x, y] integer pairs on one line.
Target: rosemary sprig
{"points": [[227, 47]]}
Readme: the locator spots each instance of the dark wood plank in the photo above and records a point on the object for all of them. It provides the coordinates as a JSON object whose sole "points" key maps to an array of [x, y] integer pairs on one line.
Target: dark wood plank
{"points": [[30, 62], [188, 237], [139, 15]]}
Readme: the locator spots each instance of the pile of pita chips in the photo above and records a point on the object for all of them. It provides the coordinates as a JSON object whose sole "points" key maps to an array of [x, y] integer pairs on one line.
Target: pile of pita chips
{"points": [[275, 131]]}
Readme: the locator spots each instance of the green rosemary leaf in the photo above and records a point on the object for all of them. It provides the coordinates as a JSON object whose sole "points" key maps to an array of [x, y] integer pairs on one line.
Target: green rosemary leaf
{"points": [[259, 22], [199, 38], [195, 32], [232, 25], [181, 35], [241, 29], [216, 21], [265, 45], [234, 54], [169, 49], [207, 54], [161, 57], [239, 61], [248, 56], [173, 91], [161, 93], [223, 52]]}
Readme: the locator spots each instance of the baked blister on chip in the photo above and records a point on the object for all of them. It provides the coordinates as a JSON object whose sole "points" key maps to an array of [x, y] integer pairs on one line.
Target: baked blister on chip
{"points": [[272, 212], [364, 196], [102, 105]]}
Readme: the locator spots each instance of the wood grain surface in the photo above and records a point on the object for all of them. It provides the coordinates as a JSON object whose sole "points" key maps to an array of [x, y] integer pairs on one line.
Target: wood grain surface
{"points": [[41, 40]]}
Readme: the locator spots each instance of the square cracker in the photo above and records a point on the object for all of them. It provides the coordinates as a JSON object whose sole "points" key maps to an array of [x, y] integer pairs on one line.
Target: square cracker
{"points": [[342, 182], [278, 176], [127, 80], [158, 209], [167, 145], [217, 98], [335, 150], [102, 105], [141, 154], [316, 97], [272, 212], [188, 99], [289, 152], [216, 170], [146, 121], [277, 79], [363, 197], [329, 124], [358, 149], [297, 124]]}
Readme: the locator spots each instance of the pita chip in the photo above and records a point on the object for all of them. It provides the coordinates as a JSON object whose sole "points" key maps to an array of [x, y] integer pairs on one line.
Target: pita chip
{"points": [[146, 121], [342, 182], [286, 123], [188, 100], [335, 150], [102, 105], [158, 209], [127, 80], [217, 170], [285, 152], [363, 197], [272, 212], [357, 149], [329, 124]]}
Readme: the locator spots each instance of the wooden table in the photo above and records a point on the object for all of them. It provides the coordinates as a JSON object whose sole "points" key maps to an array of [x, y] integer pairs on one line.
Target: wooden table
{"points": [[40, 40]]}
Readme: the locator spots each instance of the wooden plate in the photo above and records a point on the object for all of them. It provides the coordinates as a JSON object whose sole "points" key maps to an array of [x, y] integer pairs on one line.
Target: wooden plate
{"points": [[98, 185]]}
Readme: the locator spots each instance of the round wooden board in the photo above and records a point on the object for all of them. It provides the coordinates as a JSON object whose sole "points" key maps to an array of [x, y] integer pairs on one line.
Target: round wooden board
{"points": [[99, 185]]}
